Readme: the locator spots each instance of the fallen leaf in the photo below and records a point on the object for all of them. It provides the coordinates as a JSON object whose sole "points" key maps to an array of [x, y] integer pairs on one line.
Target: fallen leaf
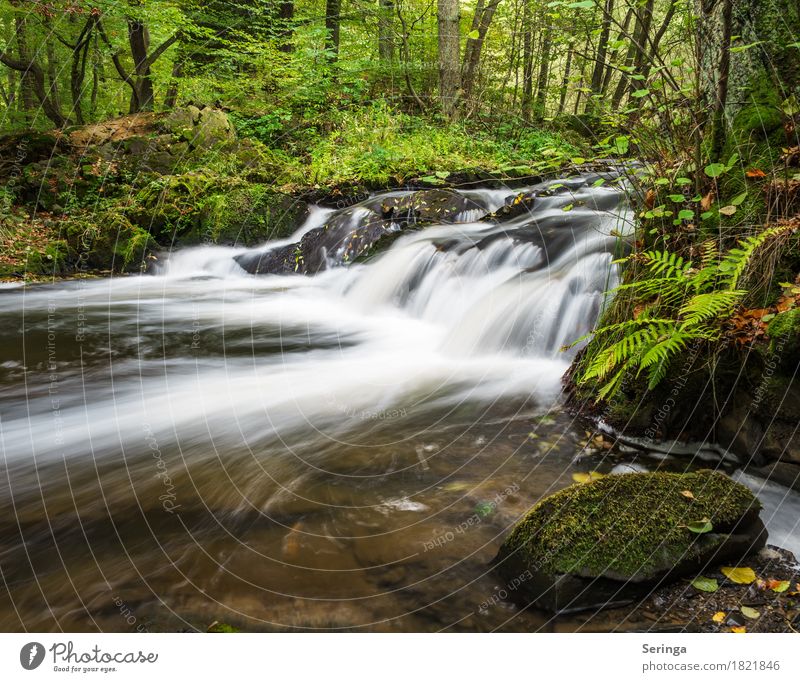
{"points": [[755, 173], [718, 617], [778, 585], [586, 478], [705, 584], [701, 526], [728, 210], [749, 612], [707, 201], [741, 576], [738, 628], [688, 494]]}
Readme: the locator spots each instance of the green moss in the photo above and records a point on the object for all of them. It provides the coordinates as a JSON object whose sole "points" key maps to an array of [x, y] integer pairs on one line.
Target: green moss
{"points": [[784, 331], [626, 524], [50, 259], [106, 240], [248, 214], [221, 628]]}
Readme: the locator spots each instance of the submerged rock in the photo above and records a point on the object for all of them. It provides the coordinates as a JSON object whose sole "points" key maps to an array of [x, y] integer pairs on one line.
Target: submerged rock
{"points": [[607, 542]]}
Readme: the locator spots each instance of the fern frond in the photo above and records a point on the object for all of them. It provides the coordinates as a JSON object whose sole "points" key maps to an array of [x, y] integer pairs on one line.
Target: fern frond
{"points": [[713, 305], [736, 260], [664, 262]]}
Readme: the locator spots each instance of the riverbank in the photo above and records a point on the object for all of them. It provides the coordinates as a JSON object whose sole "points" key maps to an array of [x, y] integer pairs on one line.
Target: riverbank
{"points": [[107, 196]]}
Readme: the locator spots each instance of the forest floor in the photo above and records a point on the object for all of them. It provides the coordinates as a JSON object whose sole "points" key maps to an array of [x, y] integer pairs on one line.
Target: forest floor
{"points": [[101, 197]]}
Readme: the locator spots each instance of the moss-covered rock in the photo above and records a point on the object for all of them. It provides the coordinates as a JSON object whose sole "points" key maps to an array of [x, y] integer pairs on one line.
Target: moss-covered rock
{"points": [[107, 240], [784, 333], [615, 538]]}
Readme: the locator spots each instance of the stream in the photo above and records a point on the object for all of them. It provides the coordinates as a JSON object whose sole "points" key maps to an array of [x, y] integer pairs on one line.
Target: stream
{"points": [[341, 450]]}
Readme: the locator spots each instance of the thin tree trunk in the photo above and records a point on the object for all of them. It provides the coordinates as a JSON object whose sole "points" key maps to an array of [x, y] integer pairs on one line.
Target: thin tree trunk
{"points": [[96, 69], [333, 10], [643, 38], [601, 55], [386, 30], [613, 57], [28, 98], [718, 130], [449, 53], [472, 51], [623, 86], [540, 104], [171, 96], [139, 39], [565, 82], [527, 60], [286, 15]]}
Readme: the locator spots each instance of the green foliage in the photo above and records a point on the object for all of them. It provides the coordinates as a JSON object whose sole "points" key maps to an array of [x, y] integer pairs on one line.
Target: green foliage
{"points": [[379, 145], [679, 305]]}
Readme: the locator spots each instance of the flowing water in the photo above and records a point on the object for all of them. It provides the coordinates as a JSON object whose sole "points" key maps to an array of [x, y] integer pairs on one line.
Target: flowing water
{"points": [[339, 451]]}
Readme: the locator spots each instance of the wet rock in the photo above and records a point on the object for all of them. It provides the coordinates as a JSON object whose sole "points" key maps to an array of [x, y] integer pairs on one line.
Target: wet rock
{"points": [[785, 473], [341, 240], [515, 206], [762, 428], [431, 206], [607, 542]]}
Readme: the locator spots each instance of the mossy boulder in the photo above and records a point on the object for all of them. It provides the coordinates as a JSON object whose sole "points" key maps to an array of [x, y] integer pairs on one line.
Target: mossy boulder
{"points": [[614, 539], [784, 335]]}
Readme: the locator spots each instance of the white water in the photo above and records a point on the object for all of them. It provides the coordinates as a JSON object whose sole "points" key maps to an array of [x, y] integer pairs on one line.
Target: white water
{"points": [[420, 328], [217, 261]]}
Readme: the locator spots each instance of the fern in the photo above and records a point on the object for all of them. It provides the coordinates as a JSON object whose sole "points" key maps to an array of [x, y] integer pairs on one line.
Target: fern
{"points": [[735, 262], [710, 306], [678, 305]]}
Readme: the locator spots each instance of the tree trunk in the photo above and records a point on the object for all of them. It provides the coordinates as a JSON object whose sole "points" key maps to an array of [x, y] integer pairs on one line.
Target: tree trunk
{"points": [[613, 57], [540, 104], [643, 38], [759, 78], [80, 56], [527, 60], [623, 86], [286, 15], [565, 82], [449, 53], [333, 10], [33, 81], [472, 51], [139, 39], [97, 66], [28, 98], [601, 55], [386, 30], [171, 96], [718, 130]]}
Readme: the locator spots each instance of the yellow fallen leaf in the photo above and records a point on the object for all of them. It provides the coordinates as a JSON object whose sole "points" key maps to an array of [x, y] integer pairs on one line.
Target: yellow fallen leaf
{"points": [[778, 585], [738, 628], [749, 612], [586, 478], [739, 575], [688, 494], [718, 617]]}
